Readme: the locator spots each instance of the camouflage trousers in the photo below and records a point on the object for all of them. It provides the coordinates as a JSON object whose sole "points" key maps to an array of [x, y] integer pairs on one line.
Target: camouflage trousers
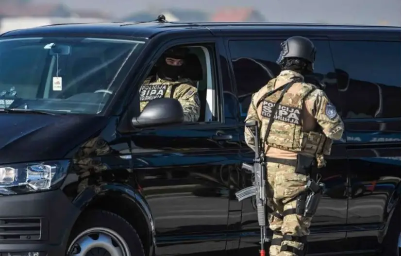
{"points": [[291, 230]]}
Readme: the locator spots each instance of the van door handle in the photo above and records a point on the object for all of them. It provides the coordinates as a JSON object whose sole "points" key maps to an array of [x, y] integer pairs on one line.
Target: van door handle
{"points": [[222, 137]]}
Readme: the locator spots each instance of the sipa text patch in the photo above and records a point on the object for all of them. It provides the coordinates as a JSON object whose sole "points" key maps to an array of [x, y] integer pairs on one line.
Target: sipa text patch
{"points": [[151, 92], [283, 113]]}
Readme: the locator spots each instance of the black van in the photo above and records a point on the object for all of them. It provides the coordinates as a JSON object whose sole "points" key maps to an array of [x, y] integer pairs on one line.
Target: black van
{"points": [[83, 173]]}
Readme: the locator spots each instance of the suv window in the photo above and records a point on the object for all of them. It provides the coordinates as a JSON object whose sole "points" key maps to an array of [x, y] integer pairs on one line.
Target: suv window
{"points": [[369, 76], [254, 64]]}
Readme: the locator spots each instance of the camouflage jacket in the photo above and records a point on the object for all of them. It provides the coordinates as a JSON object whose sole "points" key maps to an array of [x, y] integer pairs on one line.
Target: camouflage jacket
{"points": [[303, 111], [183, 91]]}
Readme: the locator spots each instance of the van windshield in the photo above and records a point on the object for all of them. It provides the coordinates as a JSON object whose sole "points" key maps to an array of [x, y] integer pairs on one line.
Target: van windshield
{"points": [[63, 74]]}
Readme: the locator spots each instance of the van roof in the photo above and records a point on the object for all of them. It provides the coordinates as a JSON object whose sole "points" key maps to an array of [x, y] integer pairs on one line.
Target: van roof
{"points": [[150, 29]]}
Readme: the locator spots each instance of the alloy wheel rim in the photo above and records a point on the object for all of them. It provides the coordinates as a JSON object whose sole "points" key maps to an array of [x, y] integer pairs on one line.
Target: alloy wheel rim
{"points": [[98, 242]]}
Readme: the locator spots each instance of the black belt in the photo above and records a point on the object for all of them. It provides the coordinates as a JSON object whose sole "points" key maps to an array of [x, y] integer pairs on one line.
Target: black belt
{"points": [[291, 162]]}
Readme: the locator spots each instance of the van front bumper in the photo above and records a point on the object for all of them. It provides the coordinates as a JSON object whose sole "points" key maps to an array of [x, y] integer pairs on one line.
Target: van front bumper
{"points": [[36, 224]]}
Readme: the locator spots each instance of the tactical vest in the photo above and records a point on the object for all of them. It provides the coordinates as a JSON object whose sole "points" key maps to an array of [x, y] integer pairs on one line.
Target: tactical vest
{"points": [[286, 130], [155, 90]]}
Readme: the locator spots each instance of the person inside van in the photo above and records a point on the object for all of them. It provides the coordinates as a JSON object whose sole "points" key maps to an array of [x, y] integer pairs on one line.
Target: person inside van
{"points": [[169, 82]]}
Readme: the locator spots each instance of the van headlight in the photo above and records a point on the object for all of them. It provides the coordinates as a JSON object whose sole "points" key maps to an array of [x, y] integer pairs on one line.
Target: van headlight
{"points": [[32, 177]]}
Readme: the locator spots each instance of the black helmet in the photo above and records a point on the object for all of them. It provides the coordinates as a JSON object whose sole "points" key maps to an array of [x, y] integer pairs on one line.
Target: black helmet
{"points": [[297, 47]]}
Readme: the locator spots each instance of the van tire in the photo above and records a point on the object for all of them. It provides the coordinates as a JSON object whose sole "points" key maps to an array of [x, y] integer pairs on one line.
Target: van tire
{"points": [[390, 243], [113, 224]]}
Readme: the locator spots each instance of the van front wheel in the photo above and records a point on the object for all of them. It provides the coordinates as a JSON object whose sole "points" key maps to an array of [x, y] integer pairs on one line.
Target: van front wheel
{"points": [[102, 233]]}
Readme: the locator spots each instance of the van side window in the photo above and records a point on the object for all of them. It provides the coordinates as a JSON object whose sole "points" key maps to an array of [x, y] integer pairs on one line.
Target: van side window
{"points": [[254, 64], [369, 77]]}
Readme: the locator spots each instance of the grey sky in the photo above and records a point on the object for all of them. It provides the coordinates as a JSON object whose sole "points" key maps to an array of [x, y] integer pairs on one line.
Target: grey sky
{"points": [[332, 11]]}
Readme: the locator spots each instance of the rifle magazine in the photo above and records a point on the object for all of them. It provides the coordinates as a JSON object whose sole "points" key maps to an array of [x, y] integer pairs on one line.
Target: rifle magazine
{"points": [[246, 193]]}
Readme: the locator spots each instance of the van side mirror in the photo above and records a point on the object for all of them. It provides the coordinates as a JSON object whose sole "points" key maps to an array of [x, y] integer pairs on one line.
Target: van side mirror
{"points": [[161, 111]]}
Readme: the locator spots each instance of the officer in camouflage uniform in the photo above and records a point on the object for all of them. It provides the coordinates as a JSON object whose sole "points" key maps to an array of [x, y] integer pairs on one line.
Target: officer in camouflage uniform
{"points": [[168, 83], [301, 132]]}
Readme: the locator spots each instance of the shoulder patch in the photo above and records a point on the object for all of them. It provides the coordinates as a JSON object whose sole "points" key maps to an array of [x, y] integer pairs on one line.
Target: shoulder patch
{"points": [[190, 92], [330, 111]]}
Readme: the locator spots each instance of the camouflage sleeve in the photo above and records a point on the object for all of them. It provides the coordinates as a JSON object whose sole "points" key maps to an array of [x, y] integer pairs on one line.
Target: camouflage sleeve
{"points": [[252, 115], [326, 115], [188, 97]]}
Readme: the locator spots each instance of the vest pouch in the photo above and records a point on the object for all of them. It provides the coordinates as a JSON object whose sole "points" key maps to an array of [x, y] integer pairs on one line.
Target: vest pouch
{"points": [[313, 143]]}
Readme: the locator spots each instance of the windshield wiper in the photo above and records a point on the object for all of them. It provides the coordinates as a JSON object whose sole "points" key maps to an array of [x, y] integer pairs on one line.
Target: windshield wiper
{"points": [[31, 111]]}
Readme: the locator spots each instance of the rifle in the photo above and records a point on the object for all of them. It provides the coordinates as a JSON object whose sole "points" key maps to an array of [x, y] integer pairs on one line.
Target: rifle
{"points": [[258, 188]]}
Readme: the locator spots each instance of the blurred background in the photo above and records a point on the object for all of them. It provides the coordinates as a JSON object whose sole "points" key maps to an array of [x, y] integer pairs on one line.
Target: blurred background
{"points": [[16, 14]]}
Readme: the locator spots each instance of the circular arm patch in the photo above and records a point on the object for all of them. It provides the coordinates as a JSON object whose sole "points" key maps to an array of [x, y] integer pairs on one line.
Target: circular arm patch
{"points": [[330, 111]]}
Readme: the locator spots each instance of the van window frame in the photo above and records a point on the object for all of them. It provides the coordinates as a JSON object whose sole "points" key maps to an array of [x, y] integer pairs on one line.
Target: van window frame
{"points": [[161, 46]]}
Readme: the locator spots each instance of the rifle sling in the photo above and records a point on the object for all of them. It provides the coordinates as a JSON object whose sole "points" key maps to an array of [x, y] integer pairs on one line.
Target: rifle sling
{"points": [[284, 88], [267, 94]]}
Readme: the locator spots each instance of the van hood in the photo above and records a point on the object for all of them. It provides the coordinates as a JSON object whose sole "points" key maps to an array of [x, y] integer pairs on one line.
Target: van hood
{"points": [[26, 137]]}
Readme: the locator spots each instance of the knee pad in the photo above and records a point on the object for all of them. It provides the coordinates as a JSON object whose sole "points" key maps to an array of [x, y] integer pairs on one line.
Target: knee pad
{"points": [[299, 239]]}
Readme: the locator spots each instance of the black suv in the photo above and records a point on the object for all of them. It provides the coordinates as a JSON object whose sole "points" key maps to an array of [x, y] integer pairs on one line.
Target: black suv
{"points": [[83, 172]]}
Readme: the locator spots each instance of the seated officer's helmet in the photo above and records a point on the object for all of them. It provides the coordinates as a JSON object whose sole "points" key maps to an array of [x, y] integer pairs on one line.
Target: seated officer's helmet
{"points": [[297, 47]]}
